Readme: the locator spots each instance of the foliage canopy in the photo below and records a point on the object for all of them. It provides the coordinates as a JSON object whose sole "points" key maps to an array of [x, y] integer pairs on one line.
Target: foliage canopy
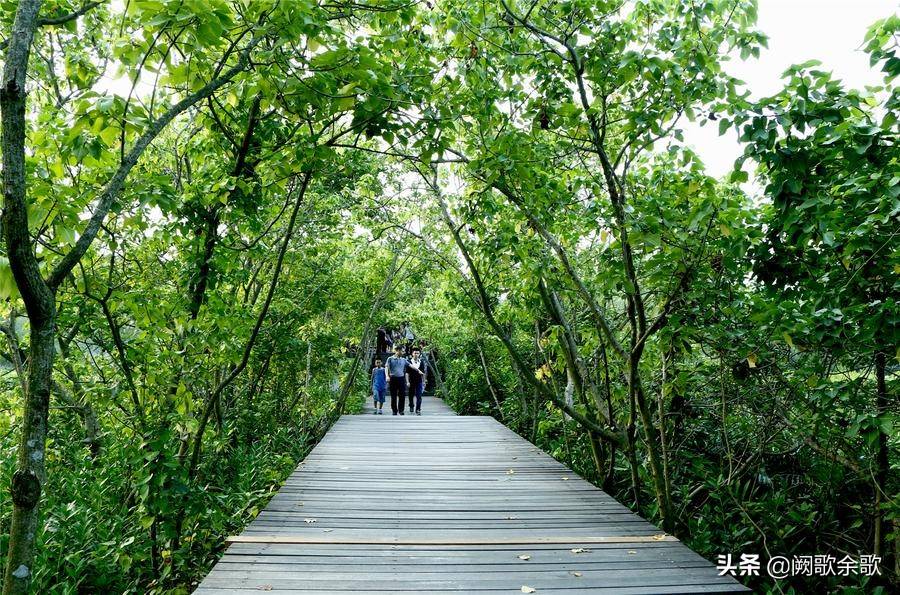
{"points": [[210, 205]]}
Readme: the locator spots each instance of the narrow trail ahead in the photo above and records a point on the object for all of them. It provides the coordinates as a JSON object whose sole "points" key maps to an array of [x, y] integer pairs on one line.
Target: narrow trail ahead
{"points": [[443, 504]]}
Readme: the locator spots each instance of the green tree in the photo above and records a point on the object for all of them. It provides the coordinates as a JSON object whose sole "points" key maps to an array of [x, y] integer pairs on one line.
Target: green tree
{"points": [[829, 159]]}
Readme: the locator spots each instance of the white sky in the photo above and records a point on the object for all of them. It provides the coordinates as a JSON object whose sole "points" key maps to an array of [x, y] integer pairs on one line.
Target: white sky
{"points": [[799, 30]]}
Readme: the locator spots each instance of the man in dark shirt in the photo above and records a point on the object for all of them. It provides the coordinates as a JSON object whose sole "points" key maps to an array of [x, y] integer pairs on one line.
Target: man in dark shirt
{"points": [[383, 343], [396, 366], [416, 371]]}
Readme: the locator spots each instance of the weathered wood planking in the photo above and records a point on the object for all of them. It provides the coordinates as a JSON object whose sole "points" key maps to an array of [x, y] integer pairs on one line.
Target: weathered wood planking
{"points": [[441, 504], [430, 406]]}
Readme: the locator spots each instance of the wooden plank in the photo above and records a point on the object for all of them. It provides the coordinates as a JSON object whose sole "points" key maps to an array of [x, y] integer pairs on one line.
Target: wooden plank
{"points": [[686, 579], [651, 590], [430, 406], [443, 504], [445, 541], [632, 580], [462, 558], [598, 549]]}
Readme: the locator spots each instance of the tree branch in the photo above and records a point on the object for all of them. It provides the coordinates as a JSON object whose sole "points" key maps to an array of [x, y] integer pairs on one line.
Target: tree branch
{"points": [[60, 19], [254, 334], [484, 305], [114, 187]]}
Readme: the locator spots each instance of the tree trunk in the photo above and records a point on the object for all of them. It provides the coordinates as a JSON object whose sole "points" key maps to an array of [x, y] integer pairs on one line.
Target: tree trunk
{"points": [[39, 300], [569, 391], [197, 290], [30, 474], [661, 412], [38, 294], [216, 394], [89, 421], [490, 385], [213, 216], [76, 399], [607, 388], [535, 397], [483, 302], [631, 452], [882, 470], [438, 380], [366, 339], [652, 439], [304, 414]]}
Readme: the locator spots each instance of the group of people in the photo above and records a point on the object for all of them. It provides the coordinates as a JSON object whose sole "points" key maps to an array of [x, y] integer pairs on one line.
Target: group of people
{"points": [[388, 338], [403, 373]]}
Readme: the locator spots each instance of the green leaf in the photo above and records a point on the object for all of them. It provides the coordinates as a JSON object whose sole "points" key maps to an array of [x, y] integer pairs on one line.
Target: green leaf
{"points": [[739, 176], [724, 125], [65, 234], [8, 287], [344, 104], [110, 135], [788, 340]]}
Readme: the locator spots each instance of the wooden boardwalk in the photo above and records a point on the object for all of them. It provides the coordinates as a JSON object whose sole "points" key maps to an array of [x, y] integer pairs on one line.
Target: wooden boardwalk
{"points": [[445, 504], [430, 406]]}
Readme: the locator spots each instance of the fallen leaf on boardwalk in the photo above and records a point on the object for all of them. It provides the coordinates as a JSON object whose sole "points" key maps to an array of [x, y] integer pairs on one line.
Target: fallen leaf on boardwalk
{"points": [[527, 589], [264, 587], [299, 504], [579, 550], [565, 478], [576, 573], [510, 472], [524, 557], [632, 551], [512, 518], [327, 530], [308, 521], [659, 537]]}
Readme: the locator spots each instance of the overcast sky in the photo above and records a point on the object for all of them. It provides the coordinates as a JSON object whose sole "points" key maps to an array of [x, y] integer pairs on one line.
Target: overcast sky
{"points": [[799, 30]]}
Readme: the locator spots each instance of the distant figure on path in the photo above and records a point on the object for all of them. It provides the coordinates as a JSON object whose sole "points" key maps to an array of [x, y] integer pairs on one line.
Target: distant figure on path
{"points": [[396, 369], [426, 362], [379, 386], [395, 337], [384, 342], [417, 371], [408, 336]]}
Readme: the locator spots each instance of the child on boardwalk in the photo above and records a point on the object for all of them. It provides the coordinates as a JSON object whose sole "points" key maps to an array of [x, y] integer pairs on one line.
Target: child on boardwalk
{"points": [[379, 386]]}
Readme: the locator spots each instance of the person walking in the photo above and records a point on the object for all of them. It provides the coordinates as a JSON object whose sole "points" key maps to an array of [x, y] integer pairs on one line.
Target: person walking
{"points": [[395, 338], [426, 362], [408, 336], [396, 370], [383, 343], [416, 372], [379, 386]]}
